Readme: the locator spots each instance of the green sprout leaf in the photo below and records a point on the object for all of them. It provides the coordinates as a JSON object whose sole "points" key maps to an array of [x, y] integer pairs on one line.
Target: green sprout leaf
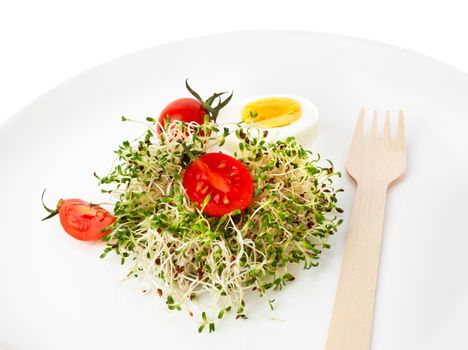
{"points": [[168, 242]]}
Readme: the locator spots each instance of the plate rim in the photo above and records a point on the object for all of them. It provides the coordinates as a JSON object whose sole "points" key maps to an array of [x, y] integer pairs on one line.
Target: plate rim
{"points": [[17, 115]]}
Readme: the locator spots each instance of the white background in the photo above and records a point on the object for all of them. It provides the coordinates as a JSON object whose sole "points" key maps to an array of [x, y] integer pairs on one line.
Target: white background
{"points": [[45, 42]]}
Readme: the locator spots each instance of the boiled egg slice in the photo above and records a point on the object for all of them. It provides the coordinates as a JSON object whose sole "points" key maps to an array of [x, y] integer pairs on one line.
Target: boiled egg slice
{"points": [[280, 115]]}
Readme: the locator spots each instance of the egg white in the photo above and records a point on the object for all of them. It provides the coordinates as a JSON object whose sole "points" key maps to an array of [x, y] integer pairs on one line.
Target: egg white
{"points": [[305, 129]]}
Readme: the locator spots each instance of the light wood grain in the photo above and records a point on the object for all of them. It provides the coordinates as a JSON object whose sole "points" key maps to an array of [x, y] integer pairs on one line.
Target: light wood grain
{"points": [[374, 162]]}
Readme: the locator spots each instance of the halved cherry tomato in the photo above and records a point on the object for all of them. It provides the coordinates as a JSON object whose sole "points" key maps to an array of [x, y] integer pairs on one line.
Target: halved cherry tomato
{"points": [[82, 220], [227, 181]]}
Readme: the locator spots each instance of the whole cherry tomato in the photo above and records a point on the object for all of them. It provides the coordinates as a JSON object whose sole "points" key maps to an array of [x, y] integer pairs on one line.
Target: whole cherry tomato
{"points": [[192, 109], [184, 109]]}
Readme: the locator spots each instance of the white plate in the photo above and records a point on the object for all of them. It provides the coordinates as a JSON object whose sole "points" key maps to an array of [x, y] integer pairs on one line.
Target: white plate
{"points": [[55, 292]]}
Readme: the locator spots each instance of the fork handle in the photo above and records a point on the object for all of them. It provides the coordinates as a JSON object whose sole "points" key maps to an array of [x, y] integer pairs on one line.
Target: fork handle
{"points": [[351, 322]]}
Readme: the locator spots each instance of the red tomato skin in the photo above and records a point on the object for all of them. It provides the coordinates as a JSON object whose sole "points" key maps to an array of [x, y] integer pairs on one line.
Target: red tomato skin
{"points": [[237, 189], [185, 109], [83, 221]]}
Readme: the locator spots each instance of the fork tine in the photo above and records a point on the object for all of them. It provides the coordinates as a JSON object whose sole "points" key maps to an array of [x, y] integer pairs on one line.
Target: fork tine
{"points": [[400, 137], [373, 129], [359, 128], [387, 133]]}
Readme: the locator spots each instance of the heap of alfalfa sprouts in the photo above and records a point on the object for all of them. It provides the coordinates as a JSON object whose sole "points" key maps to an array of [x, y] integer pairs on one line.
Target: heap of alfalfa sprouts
{"points": [[183, 254]]}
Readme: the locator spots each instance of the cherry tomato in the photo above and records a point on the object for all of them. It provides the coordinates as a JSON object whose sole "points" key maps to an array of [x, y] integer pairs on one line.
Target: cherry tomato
{"points": [[184, 109], [82, 220], [192, 109], [224, 178]]}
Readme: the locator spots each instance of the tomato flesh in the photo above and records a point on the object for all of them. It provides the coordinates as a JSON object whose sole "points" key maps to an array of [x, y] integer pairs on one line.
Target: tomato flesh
{"points": [[84, 221], [227, 181], [184, 109]]}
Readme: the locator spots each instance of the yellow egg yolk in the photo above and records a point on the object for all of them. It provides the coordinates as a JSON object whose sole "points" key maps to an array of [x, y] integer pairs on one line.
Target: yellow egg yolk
{"points": [[272, 112]]}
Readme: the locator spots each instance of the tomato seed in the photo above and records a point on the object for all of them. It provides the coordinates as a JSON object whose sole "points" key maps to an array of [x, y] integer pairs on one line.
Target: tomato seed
{"points": [[225, 200], [216, 198], [204, 189], [222, 165], [199, 186], [234, 172]]}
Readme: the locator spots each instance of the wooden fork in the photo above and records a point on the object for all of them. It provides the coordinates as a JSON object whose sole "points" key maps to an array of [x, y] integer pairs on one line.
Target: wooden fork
{"points": [[374, 162]]}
